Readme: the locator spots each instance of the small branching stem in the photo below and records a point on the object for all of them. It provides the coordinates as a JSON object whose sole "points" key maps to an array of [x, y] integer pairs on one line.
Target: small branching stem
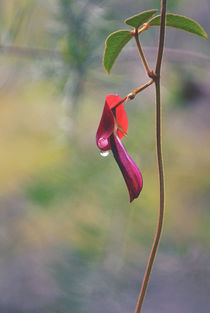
{"points": [[141, 53], [139, 89], [145, 27], [133, 93]]}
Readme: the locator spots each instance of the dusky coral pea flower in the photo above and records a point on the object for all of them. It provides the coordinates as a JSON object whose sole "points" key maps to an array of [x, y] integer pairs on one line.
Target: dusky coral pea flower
{"points": [[112, 127]]}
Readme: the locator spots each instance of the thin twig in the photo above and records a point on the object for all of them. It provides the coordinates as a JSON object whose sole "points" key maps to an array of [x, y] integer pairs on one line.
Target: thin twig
{"points": [[139, 89], [141, 53], [133, 93], [160, 162]]}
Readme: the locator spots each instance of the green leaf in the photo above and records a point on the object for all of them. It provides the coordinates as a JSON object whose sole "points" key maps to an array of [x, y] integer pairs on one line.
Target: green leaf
{"points": [[113, 46], [180, 22], [139, 19]]}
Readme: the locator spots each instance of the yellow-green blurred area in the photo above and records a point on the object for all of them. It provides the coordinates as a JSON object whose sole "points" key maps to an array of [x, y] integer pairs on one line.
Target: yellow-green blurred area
{"points": [[70, 241]]}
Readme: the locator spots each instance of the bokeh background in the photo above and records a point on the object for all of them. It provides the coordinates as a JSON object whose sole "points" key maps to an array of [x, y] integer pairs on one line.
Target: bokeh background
{"points": [[69, 239]]}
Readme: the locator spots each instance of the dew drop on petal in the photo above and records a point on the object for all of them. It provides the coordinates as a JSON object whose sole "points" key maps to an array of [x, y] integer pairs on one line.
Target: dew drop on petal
{"points": [[102, 142], [104, 153]]}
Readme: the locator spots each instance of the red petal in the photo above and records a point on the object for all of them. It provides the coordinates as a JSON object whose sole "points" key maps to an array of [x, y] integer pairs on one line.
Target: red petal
{"points": [[107, 123], [105, 128], [112, 100], [122, 119]]}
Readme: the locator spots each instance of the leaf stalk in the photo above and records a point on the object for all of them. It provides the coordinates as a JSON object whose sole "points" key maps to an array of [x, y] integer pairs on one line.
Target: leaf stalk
{"points": [[141, 53]]}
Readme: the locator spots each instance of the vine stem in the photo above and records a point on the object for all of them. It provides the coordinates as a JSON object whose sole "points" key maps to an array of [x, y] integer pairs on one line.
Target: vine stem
{"points": [[159, 161]]}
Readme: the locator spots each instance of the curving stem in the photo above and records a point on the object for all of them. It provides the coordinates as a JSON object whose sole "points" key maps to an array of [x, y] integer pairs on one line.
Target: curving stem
{"points": [[141, 53], [159, 161]]}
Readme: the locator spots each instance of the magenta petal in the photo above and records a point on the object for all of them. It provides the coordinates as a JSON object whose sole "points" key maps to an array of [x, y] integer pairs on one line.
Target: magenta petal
{"points": [[130, 171], [105, 128]]}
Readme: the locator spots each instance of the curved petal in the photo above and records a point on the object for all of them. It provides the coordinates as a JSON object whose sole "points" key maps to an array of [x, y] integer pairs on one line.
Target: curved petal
{"points": [[105, 128], [122, 120], [107, 123], [112, 100], [129, 169], [121, 116]]}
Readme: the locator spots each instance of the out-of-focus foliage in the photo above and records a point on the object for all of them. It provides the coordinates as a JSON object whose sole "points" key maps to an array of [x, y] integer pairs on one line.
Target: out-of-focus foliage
{"points": [[69, 240], [80, 32]]}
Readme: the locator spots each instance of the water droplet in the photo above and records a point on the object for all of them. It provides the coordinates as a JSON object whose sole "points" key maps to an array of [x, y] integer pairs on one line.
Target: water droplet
{"points": [[102, 142], [104, 153]]}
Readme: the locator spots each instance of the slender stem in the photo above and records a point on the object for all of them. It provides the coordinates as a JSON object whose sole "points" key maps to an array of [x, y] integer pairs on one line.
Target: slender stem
{"points": [[137, 90], [142, 56], [159, 161], [161, 38], [161, 207], [133, 93], [145, 27]]}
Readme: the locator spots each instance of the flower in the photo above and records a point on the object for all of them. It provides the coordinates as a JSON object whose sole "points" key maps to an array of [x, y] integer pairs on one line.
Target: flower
{"points": [[113, 127]]}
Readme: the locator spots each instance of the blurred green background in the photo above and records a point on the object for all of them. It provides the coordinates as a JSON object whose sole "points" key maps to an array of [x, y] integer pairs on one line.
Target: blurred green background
{"points": [[69, 239]]}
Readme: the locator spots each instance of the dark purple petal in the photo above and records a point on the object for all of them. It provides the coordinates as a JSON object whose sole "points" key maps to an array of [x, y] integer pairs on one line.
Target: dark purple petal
{"points": [[130, 171], [105, 128]]}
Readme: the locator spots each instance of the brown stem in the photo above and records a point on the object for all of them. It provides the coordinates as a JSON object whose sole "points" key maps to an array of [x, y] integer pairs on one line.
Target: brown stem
{"points": [[132, 94], [141, 53], [161, 37], [137, 90], [159, 160], [161, 208]]}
